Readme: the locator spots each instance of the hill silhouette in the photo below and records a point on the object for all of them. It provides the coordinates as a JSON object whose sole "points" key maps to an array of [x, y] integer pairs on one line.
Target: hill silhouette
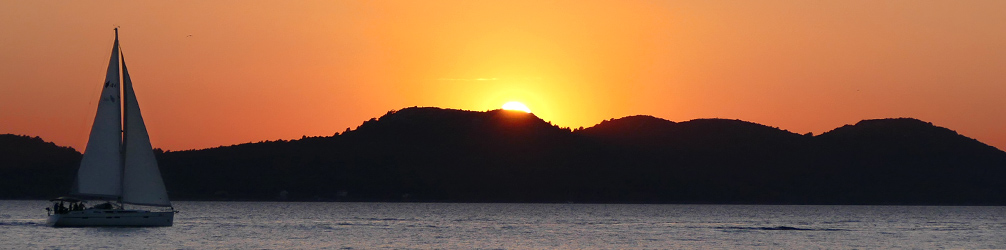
{"points": [[31, 167], [879, 160], [445, 155]]}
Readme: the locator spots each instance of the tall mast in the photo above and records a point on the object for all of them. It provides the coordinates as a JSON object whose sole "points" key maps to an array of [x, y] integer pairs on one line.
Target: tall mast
{"points": [[122, 147]]}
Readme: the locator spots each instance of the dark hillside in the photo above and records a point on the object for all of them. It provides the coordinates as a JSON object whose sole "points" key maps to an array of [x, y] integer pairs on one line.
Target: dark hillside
{"points": [[906, 159], [445, 155], [413, 154], [463, 155], [704, 160], [31, 168]]}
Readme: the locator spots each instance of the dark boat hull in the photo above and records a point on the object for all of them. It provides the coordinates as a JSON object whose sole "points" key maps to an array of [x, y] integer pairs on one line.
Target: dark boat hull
{"points": [[111, 218]]}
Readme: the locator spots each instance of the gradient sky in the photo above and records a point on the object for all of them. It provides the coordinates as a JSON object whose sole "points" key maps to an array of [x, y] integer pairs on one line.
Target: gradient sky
{"points": [[212, 73]]}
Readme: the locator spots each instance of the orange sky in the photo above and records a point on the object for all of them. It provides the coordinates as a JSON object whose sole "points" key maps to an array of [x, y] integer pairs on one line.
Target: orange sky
{"points": [[266, 70]]}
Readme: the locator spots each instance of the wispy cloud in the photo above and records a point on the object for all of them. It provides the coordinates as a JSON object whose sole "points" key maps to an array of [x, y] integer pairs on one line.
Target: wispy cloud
{"points": [[469, 79]]}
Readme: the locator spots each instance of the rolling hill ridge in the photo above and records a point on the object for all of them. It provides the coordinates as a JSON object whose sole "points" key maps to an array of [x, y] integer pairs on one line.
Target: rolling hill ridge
{"points": [[446, 155]]}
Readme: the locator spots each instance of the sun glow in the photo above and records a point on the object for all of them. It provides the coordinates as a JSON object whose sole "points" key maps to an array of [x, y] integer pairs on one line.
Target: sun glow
{"points": [[512, 105]]}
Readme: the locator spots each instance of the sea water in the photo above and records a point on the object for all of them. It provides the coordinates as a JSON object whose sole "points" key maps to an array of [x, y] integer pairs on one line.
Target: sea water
{"points": [[333, 225]]}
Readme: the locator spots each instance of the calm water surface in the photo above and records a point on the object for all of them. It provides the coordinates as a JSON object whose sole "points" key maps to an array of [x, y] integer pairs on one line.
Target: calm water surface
{"points": [[268, 225]]}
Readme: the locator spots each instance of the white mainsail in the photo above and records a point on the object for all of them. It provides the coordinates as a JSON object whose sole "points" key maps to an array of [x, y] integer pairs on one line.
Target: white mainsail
{"points": [[100, 169], [141, 183]]}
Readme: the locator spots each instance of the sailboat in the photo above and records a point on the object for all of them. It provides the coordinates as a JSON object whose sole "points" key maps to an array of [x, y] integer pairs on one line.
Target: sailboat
{"points": [[118, 167]]}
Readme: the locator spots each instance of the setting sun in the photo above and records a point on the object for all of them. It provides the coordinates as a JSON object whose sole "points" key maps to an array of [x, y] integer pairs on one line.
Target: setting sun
{"points": [[516, 106], [214, 73]]}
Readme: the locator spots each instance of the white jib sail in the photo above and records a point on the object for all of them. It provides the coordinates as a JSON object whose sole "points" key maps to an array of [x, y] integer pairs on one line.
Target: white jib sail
{"points": [[142, 183], [99, 175]]}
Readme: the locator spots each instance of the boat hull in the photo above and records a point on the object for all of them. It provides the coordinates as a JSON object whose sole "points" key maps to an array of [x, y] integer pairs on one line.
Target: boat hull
{"points": [[111, 218]]}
